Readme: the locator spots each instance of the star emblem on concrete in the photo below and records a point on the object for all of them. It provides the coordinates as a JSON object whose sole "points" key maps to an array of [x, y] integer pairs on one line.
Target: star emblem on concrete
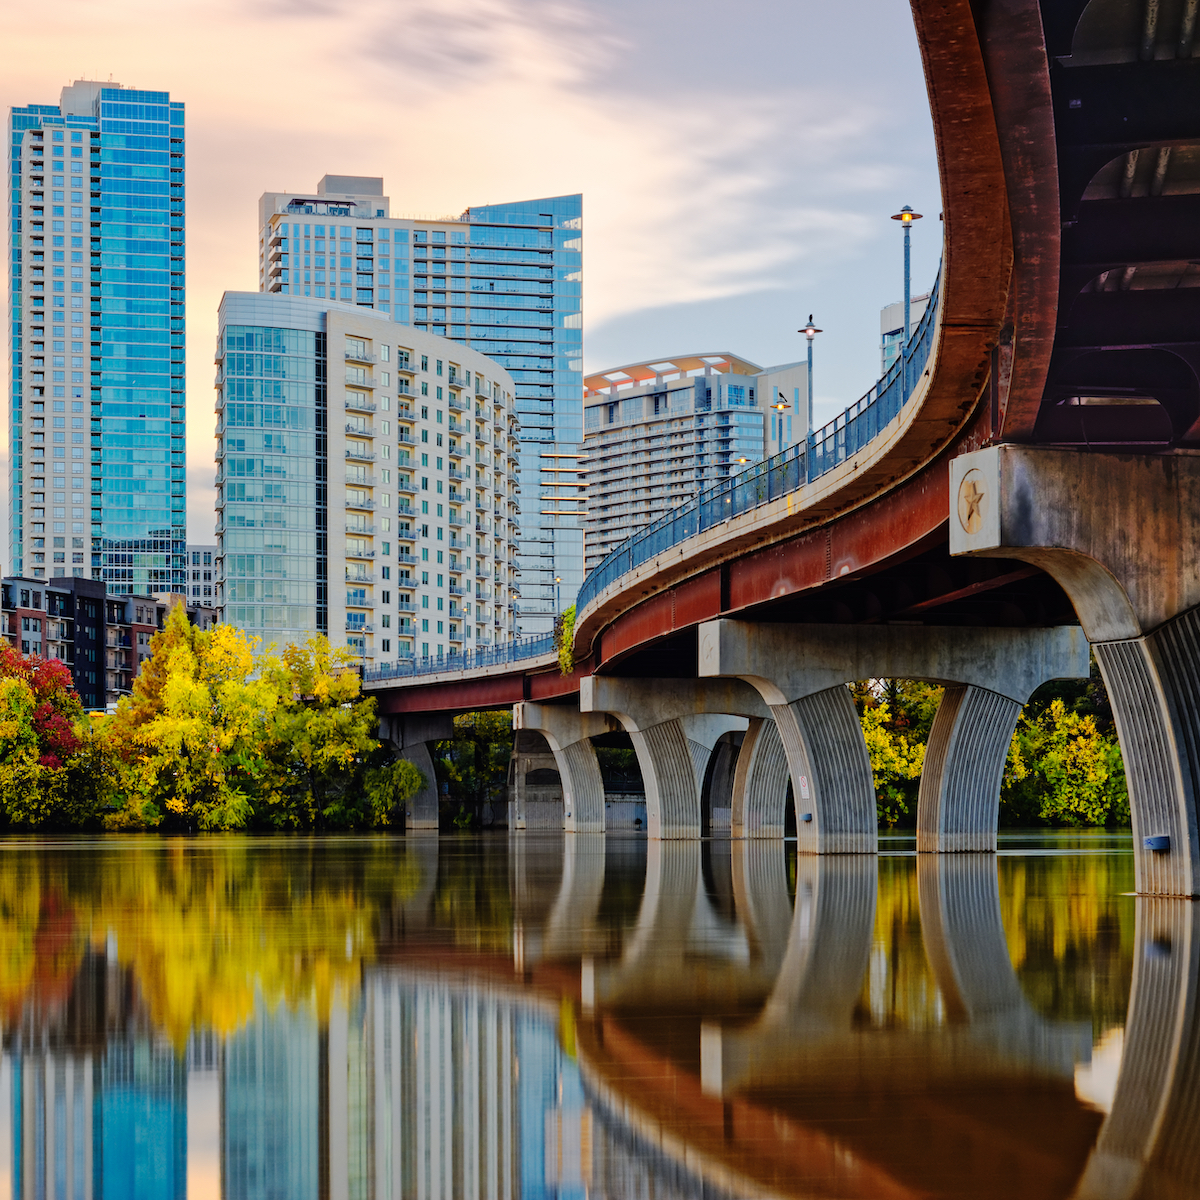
{"points": [[970, 502]]}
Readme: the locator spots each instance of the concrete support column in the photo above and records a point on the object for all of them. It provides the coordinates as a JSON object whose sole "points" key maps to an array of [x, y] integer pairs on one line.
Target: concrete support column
{"points": [[760, 783], [674, 725], [409, 736], [801, 672], [958, 806], [568, 733], [1154, 685]]}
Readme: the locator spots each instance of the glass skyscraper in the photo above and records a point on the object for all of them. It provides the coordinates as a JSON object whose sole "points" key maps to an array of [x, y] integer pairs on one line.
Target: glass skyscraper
{"points": [[505, 279], [96, 258]]}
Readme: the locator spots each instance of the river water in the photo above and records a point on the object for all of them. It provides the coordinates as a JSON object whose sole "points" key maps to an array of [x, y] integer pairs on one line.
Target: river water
{"points": [[591, 1016]]}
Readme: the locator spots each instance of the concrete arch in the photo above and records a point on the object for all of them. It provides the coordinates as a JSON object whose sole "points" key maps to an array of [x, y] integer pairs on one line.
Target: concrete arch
{"points": [[673, 725], [1120, 534], [801, 671], [958, 805], [568, 734], [760, 783]]}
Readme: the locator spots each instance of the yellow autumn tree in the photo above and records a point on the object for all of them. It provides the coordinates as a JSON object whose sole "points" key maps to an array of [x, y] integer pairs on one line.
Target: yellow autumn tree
{"points": [[217, 735]]}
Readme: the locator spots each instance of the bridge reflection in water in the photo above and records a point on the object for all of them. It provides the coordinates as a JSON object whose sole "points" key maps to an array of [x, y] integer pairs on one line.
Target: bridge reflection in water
{"points": [[590, 1015]]}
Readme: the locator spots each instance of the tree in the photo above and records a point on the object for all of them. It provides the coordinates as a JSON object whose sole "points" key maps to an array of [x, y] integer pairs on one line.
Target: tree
{"points": [[896, 716], [1061, 770], [51, 763], [219, 736]]}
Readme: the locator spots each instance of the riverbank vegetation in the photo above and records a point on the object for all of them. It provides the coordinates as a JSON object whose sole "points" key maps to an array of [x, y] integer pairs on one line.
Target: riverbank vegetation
{"points": [[216, 735]]}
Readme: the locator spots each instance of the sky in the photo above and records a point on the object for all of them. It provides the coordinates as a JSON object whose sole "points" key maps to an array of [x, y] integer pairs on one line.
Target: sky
{"points": [[738, 161]]}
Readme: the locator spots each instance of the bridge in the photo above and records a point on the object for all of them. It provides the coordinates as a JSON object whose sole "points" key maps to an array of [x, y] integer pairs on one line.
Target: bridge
{"points": [[1021, 487]]}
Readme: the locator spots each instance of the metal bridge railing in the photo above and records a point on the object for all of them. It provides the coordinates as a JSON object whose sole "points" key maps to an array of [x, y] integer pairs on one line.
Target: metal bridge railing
{"points": [[786, 472], [490, 656], [848, 433]]}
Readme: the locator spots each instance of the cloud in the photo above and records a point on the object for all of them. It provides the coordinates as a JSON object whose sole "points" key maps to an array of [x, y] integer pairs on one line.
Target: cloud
{"points": [[712, 167]]}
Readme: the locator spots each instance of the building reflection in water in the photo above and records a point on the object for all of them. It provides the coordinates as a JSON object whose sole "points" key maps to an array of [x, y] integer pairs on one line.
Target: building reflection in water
{"points": [[592, 1017]]}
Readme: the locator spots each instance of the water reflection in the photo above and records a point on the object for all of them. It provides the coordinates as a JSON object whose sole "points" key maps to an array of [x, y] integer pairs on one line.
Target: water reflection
{"points": [[589, 1016]]}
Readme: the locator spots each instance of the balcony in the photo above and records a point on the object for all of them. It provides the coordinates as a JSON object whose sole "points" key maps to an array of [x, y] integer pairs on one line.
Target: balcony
{"points": [[352, 380], [359, 602], [361, 552], [403, 556], [365, 357], [359, 628], [360, 455], [360, 530], [363, 480], [458, 405], [360, 430], [404, 484], [352, 502], [357, 404], [405, 606], [405, 438]]}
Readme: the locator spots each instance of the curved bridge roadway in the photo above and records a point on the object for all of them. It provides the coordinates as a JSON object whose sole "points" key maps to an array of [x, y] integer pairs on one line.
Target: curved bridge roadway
{"points": [[1031, 473]]}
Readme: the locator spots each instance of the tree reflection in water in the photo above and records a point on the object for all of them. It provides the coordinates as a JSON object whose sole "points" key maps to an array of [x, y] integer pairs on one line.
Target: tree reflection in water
{"points": [[585, 1015]]}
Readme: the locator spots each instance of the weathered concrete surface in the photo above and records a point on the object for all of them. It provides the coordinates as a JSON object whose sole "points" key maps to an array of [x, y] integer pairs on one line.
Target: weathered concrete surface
{"points": [[786, 662], [801, 672], [958, 805], [567, 732], [1121, 534], [760, 783], [533, 804], [409, 736], [674, 725]]}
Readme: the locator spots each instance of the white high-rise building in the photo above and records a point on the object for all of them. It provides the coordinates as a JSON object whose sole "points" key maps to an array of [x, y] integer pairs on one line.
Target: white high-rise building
{"points": [[505, 279], [366, 482], [656, 433]]}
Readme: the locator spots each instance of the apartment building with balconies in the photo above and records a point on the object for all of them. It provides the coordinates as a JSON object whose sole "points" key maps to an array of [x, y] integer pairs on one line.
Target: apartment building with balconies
{"points": [[656, 433], [366, 482]]}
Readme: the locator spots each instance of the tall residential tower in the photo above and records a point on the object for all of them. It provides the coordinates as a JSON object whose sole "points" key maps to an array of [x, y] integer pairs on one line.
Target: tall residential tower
{"points": [[506, 280], [96, 250]]}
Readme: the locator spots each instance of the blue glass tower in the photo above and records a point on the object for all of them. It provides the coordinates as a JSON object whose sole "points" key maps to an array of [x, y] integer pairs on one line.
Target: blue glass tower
{"points": [[505, 279], [542, 350], [96, 250]]}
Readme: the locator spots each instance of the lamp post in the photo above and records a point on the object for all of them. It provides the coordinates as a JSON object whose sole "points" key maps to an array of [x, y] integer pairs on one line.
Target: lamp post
{"points": [[780, 406], [558, 595], [906, 217], [810, 331]]}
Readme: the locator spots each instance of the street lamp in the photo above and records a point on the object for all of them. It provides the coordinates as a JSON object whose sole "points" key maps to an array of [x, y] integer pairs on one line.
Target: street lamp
{"points": [[780, 406], [558, 594], [810, 331], [906, 217]]}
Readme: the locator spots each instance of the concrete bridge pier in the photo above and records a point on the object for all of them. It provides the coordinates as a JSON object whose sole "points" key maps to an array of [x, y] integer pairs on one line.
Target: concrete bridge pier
{"points": [[409, 736], [1120, 533], [674, 725], [568, 733], [801, 673], [760, 783]]}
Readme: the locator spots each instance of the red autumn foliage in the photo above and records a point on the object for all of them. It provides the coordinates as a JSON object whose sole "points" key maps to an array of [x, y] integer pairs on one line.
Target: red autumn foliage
{"points": [[57, 702]]}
